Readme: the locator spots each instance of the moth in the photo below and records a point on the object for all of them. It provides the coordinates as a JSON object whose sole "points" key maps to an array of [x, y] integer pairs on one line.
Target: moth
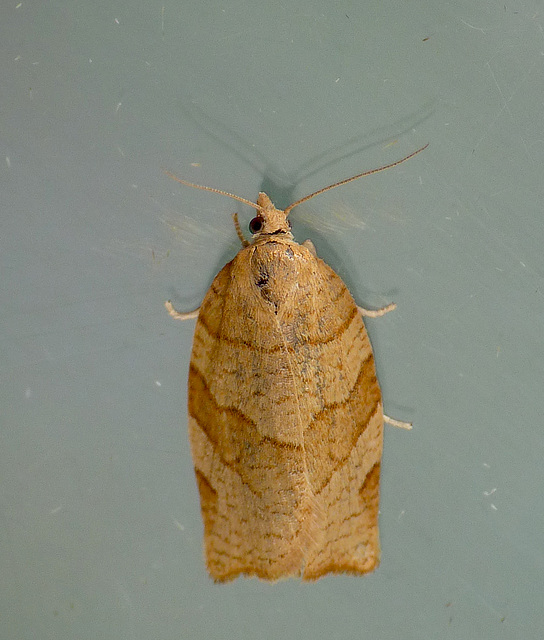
{"points": [[285, 410]]}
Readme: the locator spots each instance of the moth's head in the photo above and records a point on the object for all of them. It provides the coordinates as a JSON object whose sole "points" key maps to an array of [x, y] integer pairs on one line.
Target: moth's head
{"points": [[269, 221]]}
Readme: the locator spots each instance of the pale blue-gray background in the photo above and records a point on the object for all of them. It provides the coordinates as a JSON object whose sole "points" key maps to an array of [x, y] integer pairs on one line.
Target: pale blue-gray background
{"points": [[100, 530]]}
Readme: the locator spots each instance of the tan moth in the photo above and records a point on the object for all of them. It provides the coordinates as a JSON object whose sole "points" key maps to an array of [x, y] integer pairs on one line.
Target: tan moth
{"points": [[285, 410]]}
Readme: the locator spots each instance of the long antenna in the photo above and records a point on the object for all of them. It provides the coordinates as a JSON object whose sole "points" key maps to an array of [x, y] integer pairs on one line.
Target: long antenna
{"points": [[220, 191], [312, 195], [359, 175]]}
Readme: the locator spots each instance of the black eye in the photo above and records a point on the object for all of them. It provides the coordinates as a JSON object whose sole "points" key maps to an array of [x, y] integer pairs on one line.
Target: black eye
{"points": [[256, 224]]}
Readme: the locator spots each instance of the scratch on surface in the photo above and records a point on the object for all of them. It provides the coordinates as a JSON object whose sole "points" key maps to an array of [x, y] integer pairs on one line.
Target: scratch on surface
{"points": [[505, 102], [477, 594], [471, 26], [178, 524]]}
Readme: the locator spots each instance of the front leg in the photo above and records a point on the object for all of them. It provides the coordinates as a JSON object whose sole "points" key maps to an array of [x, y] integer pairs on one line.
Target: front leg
{"points": [[376, 313], [369, 313], [178, 315]]}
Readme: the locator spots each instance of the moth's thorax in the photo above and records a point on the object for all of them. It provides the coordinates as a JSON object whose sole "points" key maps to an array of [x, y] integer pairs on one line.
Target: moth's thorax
{"points": [[279, 268], [274, 221]]}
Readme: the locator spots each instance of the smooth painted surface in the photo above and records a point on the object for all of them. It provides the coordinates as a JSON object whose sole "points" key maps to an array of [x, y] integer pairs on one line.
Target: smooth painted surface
{"points": [[100, 531]]}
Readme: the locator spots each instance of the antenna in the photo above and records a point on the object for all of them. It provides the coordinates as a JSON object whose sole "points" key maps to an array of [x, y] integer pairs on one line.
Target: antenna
{"points": [[359, 175], [220, 191], [306, 198]]}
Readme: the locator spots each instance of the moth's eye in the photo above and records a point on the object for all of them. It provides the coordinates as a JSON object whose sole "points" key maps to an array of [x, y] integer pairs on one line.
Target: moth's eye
{"points": [[256, 224]]}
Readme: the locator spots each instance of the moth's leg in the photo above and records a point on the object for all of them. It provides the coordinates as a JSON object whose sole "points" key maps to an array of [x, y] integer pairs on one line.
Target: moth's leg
{"points": [[370, 313], [376, 313], [245, 243], [177, 315], [310, 246], [397, 423]]}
